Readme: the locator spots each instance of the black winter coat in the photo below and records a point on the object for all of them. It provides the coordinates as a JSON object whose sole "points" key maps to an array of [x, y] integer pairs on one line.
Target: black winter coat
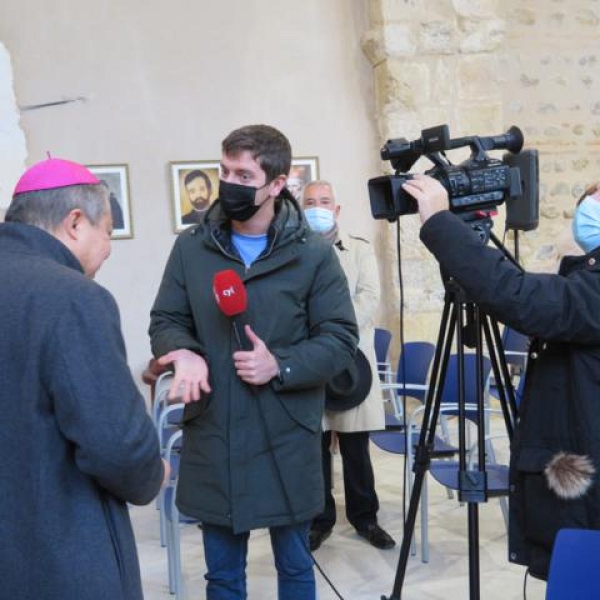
{"points": [[76, 442], [552, 484], [300, 306]]}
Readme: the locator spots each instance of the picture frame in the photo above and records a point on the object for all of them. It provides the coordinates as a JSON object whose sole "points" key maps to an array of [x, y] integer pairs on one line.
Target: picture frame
{"points": [[116, 178], [304, 169], [195, 186]]}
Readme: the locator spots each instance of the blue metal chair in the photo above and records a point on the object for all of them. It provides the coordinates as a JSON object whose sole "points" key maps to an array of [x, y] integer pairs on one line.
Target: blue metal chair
{"points": [[575, 566], [446, 471], [173, 518], [167, 418], [516, 347], [411, 380], [383, 337]]}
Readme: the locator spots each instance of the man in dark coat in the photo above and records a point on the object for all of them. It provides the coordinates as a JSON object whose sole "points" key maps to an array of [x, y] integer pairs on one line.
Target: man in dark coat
{"points": [[76, 442], [252, 426], [556, 449]]}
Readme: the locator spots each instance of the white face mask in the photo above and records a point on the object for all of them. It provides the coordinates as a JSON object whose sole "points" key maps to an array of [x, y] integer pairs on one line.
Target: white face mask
{"points": [[586, 224], [320, 220]]}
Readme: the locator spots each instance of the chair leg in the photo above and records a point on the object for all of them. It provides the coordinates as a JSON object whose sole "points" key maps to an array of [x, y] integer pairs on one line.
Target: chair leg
{"points": [[170, 558], [504, 509], [424, 521], [177, 559], [162, 518], [446, 437]]}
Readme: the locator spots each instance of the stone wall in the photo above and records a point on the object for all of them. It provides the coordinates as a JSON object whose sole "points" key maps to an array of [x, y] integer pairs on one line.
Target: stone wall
{"points": [[481, 66]]}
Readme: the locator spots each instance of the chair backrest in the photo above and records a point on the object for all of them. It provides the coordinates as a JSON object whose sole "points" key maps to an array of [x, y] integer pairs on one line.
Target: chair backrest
{"points": [[450, 392], [161, 394], [383, 337], [515, 346], [413, 366], [575, 565], [169, 422], [172, 451]]}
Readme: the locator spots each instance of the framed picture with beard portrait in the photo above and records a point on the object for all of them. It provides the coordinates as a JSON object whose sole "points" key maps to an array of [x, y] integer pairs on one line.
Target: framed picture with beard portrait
{"points": [[304, 170], [116, 179], [195, 186]]}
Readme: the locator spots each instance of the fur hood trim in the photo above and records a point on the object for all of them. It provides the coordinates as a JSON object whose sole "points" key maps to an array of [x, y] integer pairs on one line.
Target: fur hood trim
{"points": [[569, 475]]}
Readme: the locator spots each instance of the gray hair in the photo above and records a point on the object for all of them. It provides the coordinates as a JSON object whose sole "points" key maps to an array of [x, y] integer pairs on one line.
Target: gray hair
{"points": [[320, 182], [47, 209]]}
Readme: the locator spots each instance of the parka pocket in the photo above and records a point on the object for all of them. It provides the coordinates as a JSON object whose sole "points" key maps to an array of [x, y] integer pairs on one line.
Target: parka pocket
{"points": [[193, 410], [307, 412], [542, 512]]}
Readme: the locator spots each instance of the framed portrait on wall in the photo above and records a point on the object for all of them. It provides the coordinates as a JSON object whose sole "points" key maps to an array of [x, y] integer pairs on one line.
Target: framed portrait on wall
{"points": [[195, 186], [116, 179], [304, 169]]}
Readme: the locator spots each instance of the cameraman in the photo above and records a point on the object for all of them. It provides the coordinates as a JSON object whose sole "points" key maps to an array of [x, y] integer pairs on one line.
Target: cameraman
{"points": [[556, 446]]}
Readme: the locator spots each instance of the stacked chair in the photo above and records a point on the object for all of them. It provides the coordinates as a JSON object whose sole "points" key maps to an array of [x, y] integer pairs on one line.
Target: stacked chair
{"points": [[167, 417]]}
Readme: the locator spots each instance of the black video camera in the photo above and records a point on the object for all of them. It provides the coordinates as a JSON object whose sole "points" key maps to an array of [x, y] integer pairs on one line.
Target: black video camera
{"points": [[475, 187]]}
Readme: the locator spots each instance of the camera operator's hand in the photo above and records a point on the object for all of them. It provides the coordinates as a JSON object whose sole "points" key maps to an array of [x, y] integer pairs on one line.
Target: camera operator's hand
{"points": [[429, 193]]}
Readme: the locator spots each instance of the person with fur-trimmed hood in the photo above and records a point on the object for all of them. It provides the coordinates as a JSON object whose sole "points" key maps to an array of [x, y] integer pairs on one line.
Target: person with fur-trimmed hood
{"points": [[556, 448]]}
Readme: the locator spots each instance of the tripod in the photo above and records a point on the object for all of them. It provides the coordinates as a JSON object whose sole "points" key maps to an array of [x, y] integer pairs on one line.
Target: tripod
{"points": [[465, 321]]}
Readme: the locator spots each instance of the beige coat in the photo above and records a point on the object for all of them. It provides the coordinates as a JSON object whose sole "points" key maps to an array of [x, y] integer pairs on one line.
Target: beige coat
{"points": [[360, 265]]}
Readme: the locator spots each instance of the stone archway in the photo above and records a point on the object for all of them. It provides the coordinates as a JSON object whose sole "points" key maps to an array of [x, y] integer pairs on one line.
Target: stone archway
{"points": [[13, 150]]}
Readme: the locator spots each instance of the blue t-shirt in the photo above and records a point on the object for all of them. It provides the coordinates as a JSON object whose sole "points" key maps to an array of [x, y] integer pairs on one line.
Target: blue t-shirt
{"points": [[249, 246]]}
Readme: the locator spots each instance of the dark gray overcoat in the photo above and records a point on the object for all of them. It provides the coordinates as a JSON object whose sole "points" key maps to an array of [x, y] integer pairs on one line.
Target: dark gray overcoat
{"points": [[76, 443], [253, 460], [560, 410]]}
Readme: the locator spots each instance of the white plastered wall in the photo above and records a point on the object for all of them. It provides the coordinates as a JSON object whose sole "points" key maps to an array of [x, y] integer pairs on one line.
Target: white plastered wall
{"points": [[13, 151]]}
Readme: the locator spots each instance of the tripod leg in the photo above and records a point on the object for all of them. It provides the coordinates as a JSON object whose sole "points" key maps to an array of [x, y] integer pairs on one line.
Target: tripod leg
{"points": [[425, 445], [474, 584]]}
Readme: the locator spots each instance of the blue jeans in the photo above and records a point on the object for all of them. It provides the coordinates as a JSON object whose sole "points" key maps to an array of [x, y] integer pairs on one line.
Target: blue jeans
{"points": [[225, 555]]}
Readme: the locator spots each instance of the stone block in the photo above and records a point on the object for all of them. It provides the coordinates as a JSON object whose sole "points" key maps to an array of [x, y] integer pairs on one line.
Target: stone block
{"points": [[438, 37], [482, 36], [481, 119], [522, 16], [444, 77], [395, 40], [478, 77], [479, 9], [402, 84]]}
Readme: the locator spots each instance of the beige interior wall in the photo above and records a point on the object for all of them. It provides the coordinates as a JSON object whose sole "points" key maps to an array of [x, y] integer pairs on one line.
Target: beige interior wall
{"points": [[167, 81]]}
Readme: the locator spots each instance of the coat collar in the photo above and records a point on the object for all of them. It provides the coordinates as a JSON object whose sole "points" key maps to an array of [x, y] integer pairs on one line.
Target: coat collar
{"points": [[343, 241], [33, 240], [287, 225]]}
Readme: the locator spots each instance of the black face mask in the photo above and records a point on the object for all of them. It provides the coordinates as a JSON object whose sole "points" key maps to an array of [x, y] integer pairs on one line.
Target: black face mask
{"points": [[237, 201]]}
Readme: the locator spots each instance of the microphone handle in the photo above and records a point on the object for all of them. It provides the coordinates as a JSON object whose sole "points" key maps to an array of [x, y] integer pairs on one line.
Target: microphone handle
{"points": [[239, 322]]}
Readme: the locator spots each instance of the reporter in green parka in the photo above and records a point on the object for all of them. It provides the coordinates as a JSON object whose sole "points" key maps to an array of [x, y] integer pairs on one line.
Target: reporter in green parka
{"points": [[252, 424]]}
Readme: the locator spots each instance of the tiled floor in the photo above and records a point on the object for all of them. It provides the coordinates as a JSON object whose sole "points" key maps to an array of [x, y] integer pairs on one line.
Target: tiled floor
{"points": [[358, 570]]}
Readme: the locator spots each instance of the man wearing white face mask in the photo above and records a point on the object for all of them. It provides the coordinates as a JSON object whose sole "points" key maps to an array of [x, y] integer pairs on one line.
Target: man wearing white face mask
{"points": [[353, 425], [555, 453]]}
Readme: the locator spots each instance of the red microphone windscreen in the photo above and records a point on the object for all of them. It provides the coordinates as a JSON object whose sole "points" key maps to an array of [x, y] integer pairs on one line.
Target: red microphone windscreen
{"points": [[230, 292]]}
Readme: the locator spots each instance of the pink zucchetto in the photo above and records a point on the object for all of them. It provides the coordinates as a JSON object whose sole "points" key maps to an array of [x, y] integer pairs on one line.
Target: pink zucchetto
{"points": [[54, 173]]}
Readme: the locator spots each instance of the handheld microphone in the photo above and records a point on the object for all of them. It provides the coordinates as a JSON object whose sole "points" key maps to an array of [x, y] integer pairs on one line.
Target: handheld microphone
{"points": [[232, 300]]}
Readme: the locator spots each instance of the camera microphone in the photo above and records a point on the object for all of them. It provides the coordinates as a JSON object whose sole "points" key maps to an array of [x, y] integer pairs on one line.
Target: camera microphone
{"points": [[232, 300]]}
